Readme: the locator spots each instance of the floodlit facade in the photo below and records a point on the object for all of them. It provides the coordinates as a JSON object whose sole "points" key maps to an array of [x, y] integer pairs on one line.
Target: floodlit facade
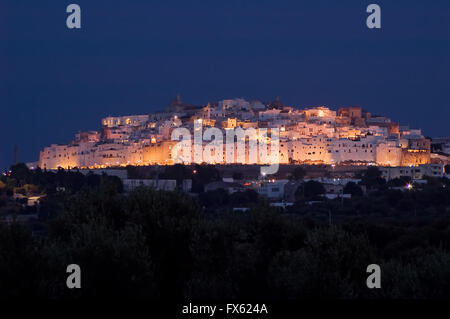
{"points": [[314, 135]]}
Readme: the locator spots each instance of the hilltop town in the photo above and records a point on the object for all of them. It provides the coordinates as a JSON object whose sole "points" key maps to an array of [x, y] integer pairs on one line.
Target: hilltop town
{"points": [[316, 135]]}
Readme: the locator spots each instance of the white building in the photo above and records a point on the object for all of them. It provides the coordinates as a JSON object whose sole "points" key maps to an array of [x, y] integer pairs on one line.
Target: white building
{"points": [[273, 189], [415, 172]]}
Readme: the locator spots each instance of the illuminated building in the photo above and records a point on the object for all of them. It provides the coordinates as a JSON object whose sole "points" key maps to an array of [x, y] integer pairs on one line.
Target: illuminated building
{"points": [[315, 135]]}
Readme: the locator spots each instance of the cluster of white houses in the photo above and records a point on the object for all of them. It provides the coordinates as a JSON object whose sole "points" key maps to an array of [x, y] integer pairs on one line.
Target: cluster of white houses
{"points": [[316, 135]]}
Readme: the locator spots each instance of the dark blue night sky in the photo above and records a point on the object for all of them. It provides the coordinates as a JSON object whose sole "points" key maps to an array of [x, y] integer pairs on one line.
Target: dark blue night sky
{"points": [[132, 57]]}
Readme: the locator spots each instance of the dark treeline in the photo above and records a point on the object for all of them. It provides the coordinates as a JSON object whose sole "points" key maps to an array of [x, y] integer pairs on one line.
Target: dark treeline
{"points": [[166, 245], [29, 182]]}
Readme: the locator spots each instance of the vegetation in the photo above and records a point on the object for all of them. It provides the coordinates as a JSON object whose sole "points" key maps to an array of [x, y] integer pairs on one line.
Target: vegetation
{"points": [[353, 189], [161, 245], [310, 190], [298, 173]]}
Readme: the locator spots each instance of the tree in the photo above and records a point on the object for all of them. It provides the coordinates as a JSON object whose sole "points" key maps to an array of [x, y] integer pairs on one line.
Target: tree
{"points": [[371, 177], [329, 266], [177, 172], [114, 262], [238, 176], [114, 183], [20, 261], [353, 189], [246, 197], [169, 221], [215, 198], [21, 174], [298, 173], [310, 190], [399, 182], [202, 175], [93, 180]]}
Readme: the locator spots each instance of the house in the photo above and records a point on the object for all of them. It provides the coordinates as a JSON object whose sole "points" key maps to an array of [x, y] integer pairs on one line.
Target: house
{"points": [[334, 196], [231, 187], [333, 188], [272, 189], [158, 184], [290, 188], [282, 204], [415, 172], [34, 200]]}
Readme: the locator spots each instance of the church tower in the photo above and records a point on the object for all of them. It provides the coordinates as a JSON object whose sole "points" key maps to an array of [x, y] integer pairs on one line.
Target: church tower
{"points": [[276, 103], [207, 111], [176, 105]]}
